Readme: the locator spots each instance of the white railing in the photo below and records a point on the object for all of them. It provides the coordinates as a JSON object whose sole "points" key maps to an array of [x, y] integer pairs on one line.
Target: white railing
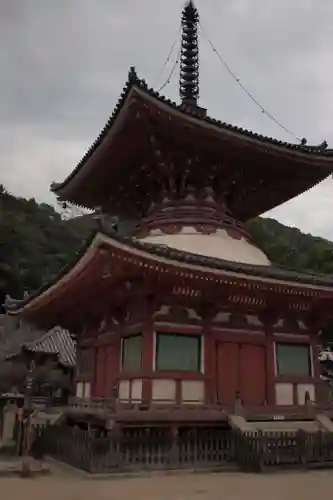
{"points": [[91, 404]]}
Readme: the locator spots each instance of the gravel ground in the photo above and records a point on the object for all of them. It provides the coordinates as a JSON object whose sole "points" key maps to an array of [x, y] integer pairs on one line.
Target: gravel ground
{"points": [[234, 486]]}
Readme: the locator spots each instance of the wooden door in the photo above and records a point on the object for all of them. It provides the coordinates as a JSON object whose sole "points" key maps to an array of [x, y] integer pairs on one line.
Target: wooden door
{"points": [[227, 372], [252, 374]]}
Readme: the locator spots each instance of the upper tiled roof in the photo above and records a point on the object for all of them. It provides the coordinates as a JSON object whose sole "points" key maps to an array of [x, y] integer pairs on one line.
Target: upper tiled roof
{"points": [[133, 81]]}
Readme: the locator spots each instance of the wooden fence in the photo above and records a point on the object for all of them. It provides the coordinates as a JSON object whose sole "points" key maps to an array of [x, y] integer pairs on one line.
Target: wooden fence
{"points": [[265, 451], [199, 448]]}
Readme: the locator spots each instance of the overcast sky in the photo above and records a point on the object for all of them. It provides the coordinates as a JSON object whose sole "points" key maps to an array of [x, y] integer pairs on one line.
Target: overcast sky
{"points": [[63, 64]]}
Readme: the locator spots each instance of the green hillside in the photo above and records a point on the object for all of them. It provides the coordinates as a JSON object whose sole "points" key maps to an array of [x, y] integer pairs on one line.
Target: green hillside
{"points": [[35, 243]]}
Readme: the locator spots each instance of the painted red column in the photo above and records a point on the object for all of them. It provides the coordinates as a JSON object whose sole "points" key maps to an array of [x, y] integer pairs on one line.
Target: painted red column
{"points": [[315, 364], [147, 354], [315, 325], [270, 365], [113, 365], [209, 361], [104, 390], [315, 357], [94, 372]]}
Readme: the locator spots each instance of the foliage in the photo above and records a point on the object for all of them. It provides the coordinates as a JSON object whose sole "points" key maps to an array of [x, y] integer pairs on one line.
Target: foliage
{"points": [[12, 376], [46, 378], [36, 242], [289, 247]]}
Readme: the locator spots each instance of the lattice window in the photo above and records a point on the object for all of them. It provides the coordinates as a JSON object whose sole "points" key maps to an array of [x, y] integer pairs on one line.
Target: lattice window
{"points": [[132, 353], [178, 352], [293, 360]]}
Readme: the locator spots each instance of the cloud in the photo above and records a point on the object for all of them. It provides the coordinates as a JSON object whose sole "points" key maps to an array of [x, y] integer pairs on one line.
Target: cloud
{"points": [[63, 65]]}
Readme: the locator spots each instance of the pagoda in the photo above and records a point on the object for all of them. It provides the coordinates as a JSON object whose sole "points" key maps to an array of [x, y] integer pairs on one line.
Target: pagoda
{"points": [[184, 311]]}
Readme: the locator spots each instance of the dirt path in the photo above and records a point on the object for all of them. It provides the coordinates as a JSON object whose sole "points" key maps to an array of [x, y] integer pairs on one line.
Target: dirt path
{"points": [[233, 486]]}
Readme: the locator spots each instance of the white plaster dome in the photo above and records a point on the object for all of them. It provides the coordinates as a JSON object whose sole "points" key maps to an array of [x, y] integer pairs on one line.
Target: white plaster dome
{"points": [[219, 245]]}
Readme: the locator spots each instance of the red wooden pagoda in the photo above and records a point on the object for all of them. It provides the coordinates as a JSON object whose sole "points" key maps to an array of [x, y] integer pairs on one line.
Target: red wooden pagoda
{"points": [[185, 310]]}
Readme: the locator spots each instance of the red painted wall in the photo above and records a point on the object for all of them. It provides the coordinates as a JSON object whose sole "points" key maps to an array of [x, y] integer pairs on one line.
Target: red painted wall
{"points": [[100, 371], [232, 360]]}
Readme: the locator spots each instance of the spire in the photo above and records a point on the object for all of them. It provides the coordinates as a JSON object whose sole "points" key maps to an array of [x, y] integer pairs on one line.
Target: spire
{"points": [[189, 60]]}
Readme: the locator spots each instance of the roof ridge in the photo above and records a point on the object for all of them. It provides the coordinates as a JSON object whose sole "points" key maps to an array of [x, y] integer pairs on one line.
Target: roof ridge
{"points": [[56, 330], [37, 341], [57, 341]]}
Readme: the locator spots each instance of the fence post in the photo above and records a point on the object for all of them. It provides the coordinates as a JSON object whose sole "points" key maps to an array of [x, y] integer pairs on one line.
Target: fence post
{"points": [[117, 439], [174, 455], [90, 451], [301, 441], [259, 453]]}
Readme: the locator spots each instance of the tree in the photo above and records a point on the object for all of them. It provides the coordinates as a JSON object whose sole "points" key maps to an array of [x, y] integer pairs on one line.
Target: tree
{"points": [[12, 376]]}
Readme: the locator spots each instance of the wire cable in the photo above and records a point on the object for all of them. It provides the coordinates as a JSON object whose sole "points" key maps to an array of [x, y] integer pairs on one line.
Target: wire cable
{"points": [[168, 57], [242, 86], [173, 69]]}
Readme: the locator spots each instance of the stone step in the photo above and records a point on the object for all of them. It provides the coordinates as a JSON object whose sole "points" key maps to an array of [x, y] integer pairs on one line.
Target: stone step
{"points": [[287, 426], [325, 423], [240, 423], [41, 418]]}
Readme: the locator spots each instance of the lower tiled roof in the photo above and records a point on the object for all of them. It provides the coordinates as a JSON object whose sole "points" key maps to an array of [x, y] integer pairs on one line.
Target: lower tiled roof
{"points": [[270, 272]]}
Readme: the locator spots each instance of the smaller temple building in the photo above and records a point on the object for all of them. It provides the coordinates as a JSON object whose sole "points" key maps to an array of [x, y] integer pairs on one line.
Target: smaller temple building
{"points": [[54, 359]]}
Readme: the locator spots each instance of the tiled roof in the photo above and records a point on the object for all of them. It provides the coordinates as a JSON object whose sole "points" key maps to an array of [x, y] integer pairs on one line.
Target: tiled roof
{"points": [[270, 272], [56, 341], [134, 81], [274, 272]]}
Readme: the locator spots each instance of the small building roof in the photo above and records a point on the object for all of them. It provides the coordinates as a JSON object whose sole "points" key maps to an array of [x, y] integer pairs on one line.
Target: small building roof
{"points": [[56, 341]]}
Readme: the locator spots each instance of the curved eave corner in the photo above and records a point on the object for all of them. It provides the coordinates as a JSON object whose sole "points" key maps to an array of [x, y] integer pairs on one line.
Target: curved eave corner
{"points": [[132, 81], [317, 153], [82, 258]]}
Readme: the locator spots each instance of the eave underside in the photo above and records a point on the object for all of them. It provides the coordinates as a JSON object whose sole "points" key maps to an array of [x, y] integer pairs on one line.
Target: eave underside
{"points": [[152, 148], [115, 273]]}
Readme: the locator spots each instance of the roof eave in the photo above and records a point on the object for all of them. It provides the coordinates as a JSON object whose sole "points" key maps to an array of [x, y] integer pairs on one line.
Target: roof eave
{"points": [[190, 262], [316, 154], [84, 167]]}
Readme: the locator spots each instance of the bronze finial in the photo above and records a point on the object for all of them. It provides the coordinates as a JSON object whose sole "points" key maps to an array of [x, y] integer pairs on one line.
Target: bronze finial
{"points": [[189, 60]]}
